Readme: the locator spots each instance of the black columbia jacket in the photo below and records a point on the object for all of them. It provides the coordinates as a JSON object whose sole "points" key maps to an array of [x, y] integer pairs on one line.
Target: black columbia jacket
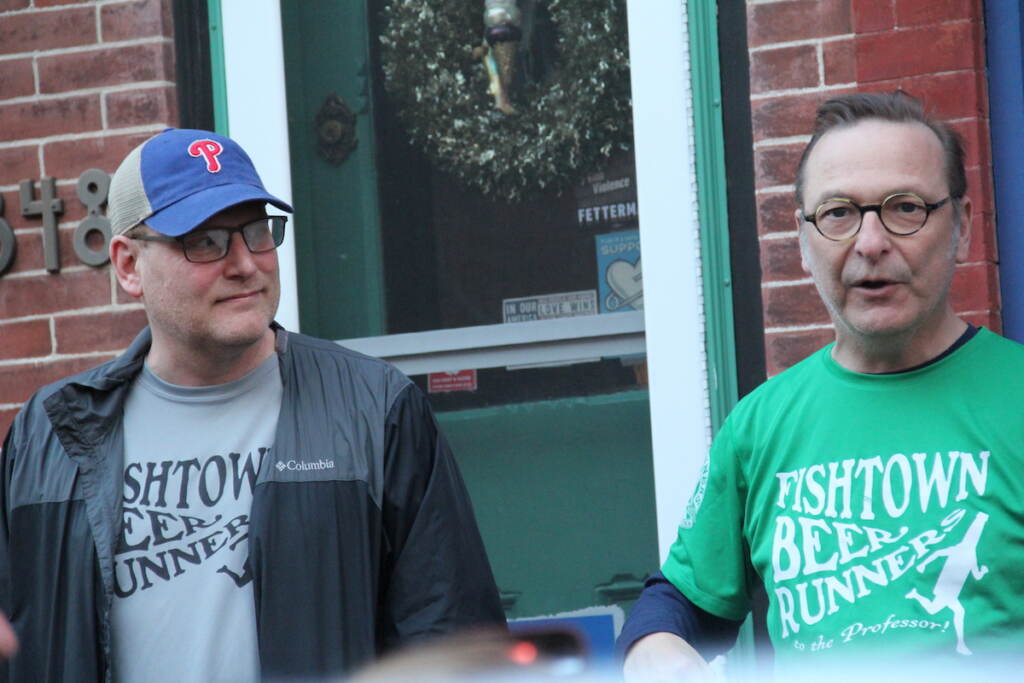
{"points": [[348, 560]]}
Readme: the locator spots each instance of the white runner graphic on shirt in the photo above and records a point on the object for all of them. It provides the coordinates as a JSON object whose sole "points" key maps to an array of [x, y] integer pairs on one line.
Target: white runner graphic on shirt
{"points": [[961, 560]]}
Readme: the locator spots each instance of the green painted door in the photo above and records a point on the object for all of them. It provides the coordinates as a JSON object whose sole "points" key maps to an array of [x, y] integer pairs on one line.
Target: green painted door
{"points": [[557, 457], [564, 495]]}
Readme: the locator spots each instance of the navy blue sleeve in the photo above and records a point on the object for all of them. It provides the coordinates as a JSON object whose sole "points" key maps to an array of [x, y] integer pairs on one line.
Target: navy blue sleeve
{"points": [[439, 579], [662, 607]]}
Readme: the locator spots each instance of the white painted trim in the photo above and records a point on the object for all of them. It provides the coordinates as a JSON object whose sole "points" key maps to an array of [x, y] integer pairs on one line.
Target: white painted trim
{"points": [[670, 241], [257, 116]]}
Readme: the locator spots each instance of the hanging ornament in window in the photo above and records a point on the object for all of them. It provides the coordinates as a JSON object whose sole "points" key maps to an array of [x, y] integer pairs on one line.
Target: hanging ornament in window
{"points": [[502, 33]]}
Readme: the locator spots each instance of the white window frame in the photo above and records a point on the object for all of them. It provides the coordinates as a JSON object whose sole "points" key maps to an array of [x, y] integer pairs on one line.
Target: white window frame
{"points": [[671, 327]]}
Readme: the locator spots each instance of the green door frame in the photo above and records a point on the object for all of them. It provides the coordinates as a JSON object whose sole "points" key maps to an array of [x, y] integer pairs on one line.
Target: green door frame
{"points": [[340, 251], [217, 70], [709, 148], [716, 271]]}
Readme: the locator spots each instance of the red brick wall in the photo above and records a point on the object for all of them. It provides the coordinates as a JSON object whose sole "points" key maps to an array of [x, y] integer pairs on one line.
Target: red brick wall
{"points": [[81, 83], [804, 51]]}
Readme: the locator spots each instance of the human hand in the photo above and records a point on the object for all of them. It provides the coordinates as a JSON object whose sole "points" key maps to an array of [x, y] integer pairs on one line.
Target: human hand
{"points": [[8, 641], [665, 657]]}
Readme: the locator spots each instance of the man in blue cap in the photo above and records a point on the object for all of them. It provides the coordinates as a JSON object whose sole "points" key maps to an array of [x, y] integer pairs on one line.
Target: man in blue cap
{"points": [[226, 500]]}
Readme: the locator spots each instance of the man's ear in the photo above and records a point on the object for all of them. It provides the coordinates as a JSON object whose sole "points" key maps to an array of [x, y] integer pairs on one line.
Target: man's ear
{"points": [[963, 243], [124, 256], [799, 216]]}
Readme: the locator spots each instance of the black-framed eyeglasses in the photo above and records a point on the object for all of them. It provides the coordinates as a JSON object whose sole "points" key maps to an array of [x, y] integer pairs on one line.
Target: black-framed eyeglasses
{"points": [[211, 244], [903, 213]]}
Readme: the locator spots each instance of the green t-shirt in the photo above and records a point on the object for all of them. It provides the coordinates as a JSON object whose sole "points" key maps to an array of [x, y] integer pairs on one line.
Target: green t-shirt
{"points": [[884, 514]]}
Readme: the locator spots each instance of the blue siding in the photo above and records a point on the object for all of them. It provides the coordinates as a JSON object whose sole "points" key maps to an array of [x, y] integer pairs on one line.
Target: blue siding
{"points": [[1006, 98]]}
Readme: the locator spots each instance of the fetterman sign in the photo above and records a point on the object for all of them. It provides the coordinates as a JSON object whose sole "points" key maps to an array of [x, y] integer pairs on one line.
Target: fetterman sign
{"points": [[92, 192]]}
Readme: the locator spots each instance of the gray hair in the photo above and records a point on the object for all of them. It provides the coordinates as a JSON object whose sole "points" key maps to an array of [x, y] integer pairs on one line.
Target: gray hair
{"points": [[898, 107]]}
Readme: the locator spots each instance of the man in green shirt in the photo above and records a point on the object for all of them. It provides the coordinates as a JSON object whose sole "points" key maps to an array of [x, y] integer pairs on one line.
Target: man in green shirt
{"points": [[875, 489]]}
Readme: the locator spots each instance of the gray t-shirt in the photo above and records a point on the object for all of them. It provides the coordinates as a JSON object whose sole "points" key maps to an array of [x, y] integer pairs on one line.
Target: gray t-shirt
{"points": [[183, 608]]}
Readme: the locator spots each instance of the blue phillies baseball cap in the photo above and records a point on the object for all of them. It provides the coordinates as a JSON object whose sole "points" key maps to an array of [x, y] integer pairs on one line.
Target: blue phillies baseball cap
{"points": [[177, 179]]}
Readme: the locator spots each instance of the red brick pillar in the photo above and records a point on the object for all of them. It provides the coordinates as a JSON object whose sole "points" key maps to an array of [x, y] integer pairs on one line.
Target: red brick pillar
{"points": [[803, 52], [81, 83]]}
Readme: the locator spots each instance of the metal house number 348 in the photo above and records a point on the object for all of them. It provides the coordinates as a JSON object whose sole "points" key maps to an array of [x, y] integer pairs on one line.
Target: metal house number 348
{"points": [[92, 192]]}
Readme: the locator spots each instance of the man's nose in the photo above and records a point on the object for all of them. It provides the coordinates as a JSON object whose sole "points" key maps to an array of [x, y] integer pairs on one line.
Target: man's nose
{"points": [[873, 239], [238, 259]]}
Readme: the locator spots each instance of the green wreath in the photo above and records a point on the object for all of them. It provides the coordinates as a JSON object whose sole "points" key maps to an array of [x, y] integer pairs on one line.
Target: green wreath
{"points": [[563, 127]]}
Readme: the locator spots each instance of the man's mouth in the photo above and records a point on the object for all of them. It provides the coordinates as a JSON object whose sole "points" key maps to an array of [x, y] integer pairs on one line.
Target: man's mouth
{"points": [[240, 296], [873, 284]]}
